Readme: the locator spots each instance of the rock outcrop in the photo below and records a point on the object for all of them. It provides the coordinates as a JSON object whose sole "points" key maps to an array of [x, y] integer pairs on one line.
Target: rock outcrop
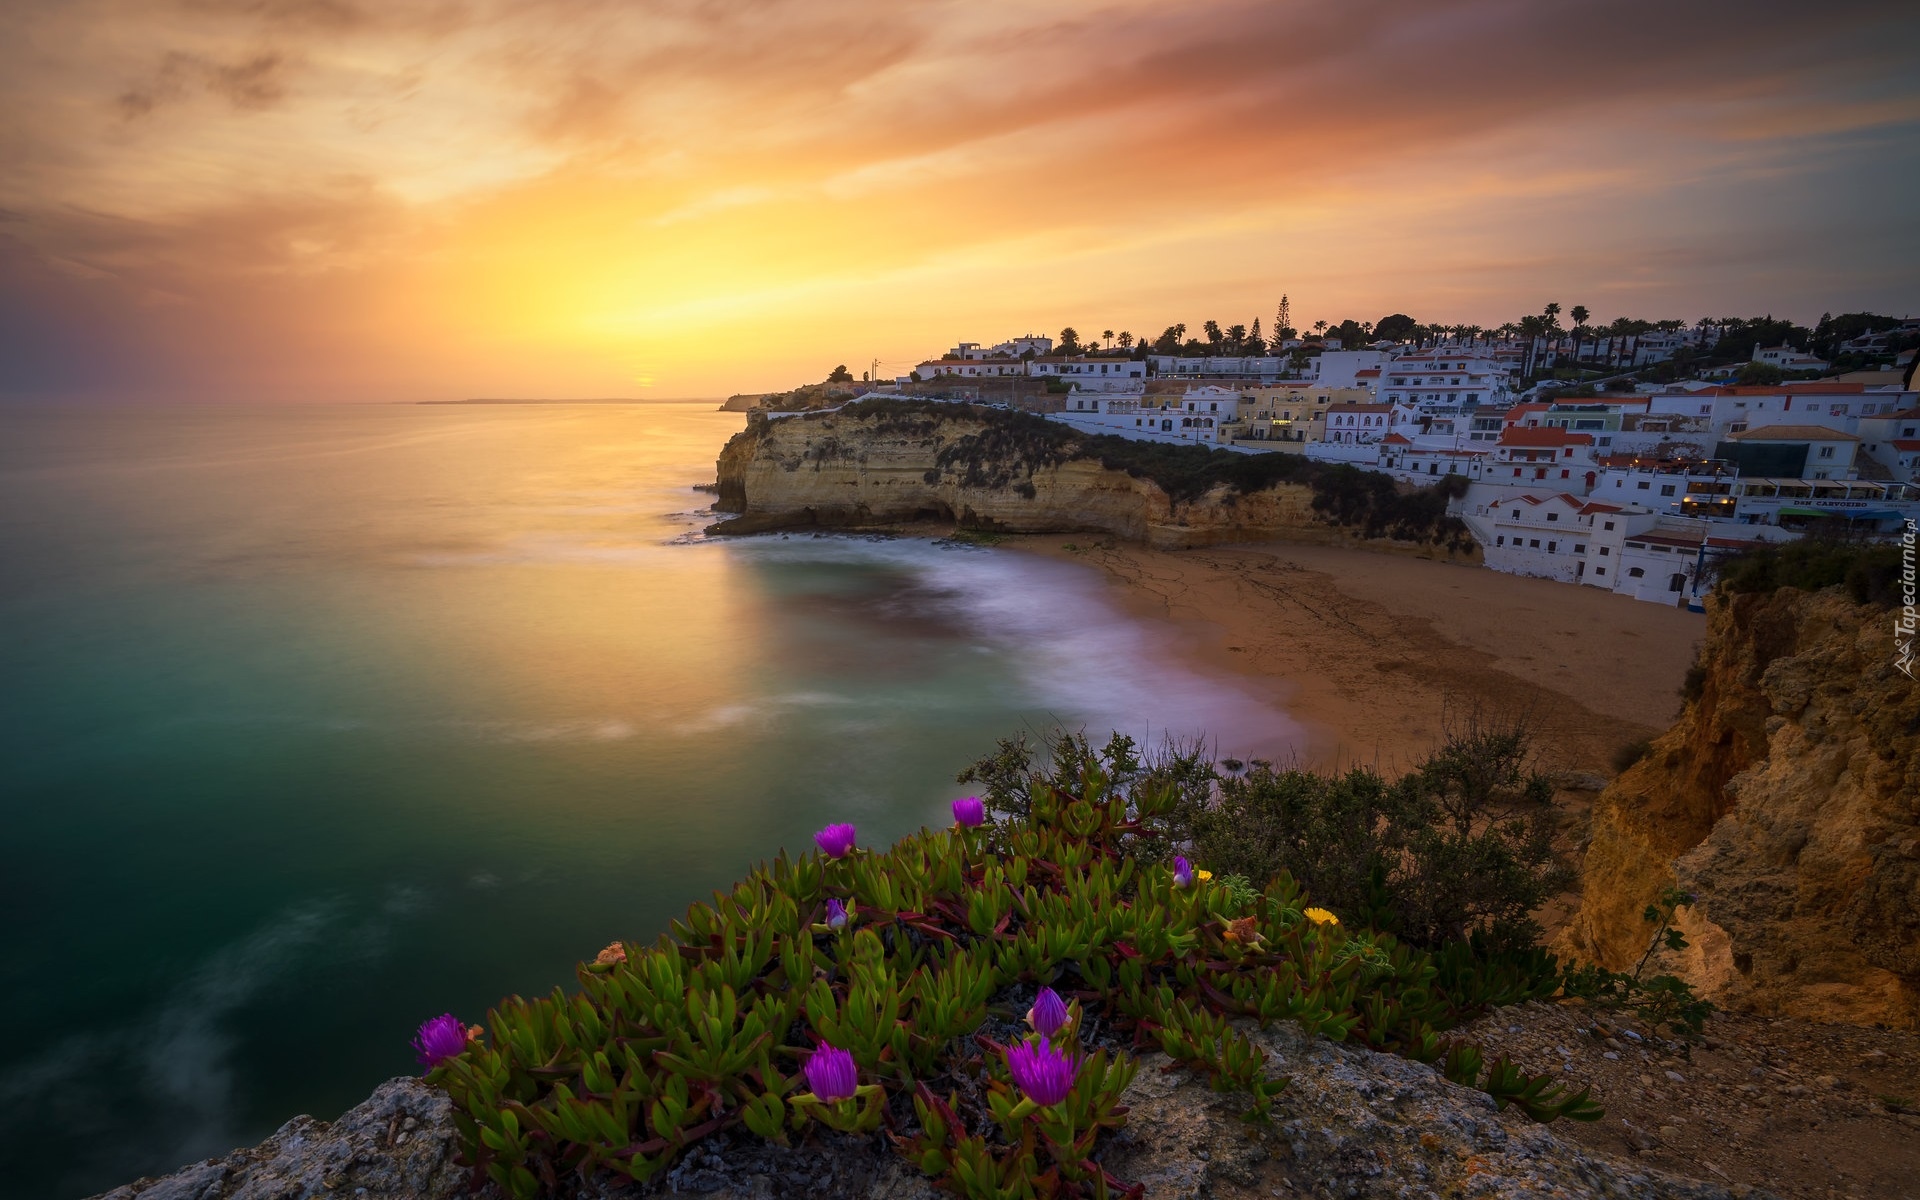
{"points": [[1787, 801], [853, 469], [398, 1145], [1353, 1124]]}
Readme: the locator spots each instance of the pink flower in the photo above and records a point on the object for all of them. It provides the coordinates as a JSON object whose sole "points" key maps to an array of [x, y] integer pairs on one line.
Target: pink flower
{"points": [[969, 812], [836, 914], [440, 1039], [831, 1074], [1048, 1013], [1043, 1073], [835, 840]]}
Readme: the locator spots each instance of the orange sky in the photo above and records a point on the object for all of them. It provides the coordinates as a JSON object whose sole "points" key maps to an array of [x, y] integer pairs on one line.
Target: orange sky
{"points": [[314, 199]]}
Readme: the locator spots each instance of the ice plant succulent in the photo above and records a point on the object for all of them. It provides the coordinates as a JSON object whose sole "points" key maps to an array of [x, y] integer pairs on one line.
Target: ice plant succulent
{"points": [[836, 914], [440, 1039], [1182, 871], [1048, 1013], [1042, 1073], [1320, 916], [969, 812], [835, 840], [831, 1074]]}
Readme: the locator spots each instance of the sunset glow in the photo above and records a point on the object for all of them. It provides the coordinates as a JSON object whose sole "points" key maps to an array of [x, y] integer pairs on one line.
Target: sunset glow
{"points": [[314, 199]]}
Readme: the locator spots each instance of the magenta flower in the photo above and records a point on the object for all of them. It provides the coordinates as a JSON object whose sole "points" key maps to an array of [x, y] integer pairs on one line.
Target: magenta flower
{"points": [[1182, 872], [1048, 1013], [831, 1074], [836, 914], [1043, 1073], [835, 840], [969, 812], [439, 1040]]}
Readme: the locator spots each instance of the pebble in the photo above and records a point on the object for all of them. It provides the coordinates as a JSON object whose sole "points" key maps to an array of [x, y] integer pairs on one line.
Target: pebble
{"points": [[1670, 1132], [1676, 1076], [1610, 1054]]}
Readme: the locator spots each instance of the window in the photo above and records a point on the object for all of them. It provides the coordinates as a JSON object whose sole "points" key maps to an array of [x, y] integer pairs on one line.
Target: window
{"points": [[1579, 547], [1826, 452], [1643, 485], [1666, 489], [1501, 540], [1553, 547], [1553, 516], [1609, 525], [1600, 570], [1533, 543], [1604, 551], [1676, 582], [1635, 572]]}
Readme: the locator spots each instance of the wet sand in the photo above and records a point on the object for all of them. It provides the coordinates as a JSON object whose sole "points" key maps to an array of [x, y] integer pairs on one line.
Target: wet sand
{"points": [[1380, 654]]}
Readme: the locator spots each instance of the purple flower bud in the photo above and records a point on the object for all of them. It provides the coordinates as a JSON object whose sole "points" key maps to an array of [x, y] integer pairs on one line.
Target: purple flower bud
{"points": [[439, 1040], [836, 914], [1182, 872], [1043, 1073], [831, 1074], [969, 812], [835, 840], [1048, 1013]]}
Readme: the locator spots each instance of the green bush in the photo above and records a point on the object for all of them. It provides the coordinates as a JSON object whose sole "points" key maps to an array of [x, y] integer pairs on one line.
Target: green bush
{"points": [[1459, 847], [947, 937], [1869, 571]]}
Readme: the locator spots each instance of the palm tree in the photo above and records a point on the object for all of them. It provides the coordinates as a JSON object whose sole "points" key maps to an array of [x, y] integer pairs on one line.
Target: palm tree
{"points": [[1320, 327], [1107, 336], [1212, 329], [1126, 340]]}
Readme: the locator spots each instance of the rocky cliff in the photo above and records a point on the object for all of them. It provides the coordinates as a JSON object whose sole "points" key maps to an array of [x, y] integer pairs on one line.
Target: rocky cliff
{"points": [[1352, 1124], [863, 467], [1787, 800]]}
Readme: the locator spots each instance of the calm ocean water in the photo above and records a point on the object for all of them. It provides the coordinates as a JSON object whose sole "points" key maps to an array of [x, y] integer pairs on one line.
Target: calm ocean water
{"points": [[318, 721]]}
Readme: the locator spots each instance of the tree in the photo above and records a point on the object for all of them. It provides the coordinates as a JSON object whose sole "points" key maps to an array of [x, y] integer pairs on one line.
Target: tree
{"points": [[1126, 340], [840, 374], [1320, 327], [1069, 340], [1106, 335], [1169, 341], [1235, 338], [1396, 328], [1212, 330], [1579, 315], [1552, 315], [1760, 373], [1255, 343]]}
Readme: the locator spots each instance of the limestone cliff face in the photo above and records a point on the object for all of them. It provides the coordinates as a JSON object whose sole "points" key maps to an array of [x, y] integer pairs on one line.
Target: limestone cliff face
{"points": [[849, 470], [1787, 799]]}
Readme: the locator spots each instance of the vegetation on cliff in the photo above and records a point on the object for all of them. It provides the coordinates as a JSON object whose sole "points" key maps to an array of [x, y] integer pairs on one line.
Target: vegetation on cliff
{"points": [[1870, 571], [866, 991]]}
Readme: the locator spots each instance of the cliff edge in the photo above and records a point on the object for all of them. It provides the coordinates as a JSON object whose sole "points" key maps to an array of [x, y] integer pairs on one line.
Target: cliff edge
{"points": [[1787, 800], [891, 463]]}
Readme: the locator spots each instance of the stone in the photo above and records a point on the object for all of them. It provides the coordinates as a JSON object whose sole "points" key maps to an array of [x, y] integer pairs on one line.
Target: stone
{"points": [[362, 1154]]}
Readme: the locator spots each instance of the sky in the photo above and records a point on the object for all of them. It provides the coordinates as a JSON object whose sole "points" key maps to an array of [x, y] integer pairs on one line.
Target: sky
{"points": [[384, 200]]}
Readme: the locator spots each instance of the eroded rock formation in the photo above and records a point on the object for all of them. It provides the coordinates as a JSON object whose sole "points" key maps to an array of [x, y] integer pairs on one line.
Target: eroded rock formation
{"points": [[1787, 800], [858, 469]]}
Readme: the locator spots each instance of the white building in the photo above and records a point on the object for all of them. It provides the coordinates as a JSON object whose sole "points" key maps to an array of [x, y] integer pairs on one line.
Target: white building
{"points": [[1344, 368], [1788, 359], [1365, 424], [1092, 374], [1539, 457], [1432, 379], [1261, 368]]}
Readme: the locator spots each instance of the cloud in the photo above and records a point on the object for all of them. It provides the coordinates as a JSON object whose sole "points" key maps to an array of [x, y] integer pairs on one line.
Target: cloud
{"points": [[551, 181]]}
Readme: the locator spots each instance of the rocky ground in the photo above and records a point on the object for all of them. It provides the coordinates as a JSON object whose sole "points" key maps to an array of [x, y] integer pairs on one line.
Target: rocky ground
{"points": [[1353, 1124], [1798, 1108]]}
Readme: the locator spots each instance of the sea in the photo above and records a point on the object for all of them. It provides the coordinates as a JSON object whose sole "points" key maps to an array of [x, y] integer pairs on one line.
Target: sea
{"points": [[318, 721]]}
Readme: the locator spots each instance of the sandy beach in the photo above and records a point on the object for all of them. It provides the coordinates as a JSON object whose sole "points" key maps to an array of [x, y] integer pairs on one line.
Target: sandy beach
{"points": [[1379, 653]]}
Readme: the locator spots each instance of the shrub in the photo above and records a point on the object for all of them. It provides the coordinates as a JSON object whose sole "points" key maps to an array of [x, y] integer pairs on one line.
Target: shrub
{"points": [[1869, 571], [868, 992], [1459, 847]]}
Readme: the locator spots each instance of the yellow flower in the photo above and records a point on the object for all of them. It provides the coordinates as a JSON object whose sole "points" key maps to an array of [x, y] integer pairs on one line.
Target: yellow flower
{"points": [[1203, 876], [1320, 916]]}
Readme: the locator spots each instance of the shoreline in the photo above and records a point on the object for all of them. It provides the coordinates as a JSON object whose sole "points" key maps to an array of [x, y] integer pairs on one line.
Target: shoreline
{"points": [[1378, 655]]}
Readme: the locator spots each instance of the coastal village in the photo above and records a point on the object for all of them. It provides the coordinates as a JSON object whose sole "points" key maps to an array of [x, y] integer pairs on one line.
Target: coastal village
{"points": [[1624, 458]]}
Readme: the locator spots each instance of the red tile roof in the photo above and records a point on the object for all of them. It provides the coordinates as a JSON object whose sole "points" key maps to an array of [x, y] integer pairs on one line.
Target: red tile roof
{"points": [[1906, 444]]}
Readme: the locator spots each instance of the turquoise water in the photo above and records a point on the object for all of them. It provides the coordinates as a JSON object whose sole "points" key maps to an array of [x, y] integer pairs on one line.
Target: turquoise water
{"points": [[318, 721]]}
